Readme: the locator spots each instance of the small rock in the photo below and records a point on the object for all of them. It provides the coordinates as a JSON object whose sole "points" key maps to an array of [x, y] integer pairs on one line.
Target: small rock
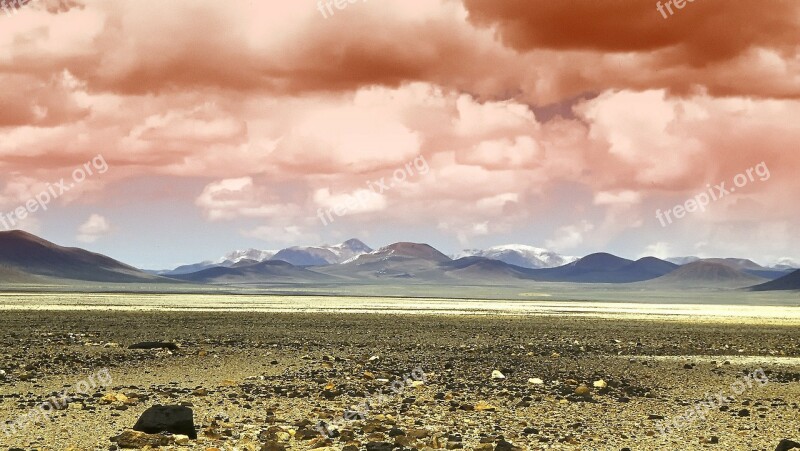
{"points": [[583, 391], [503, 445], [484, 406], [154, 345], [379, 446], [535, 381], [136, 440], [273, 446], [496, 374]]}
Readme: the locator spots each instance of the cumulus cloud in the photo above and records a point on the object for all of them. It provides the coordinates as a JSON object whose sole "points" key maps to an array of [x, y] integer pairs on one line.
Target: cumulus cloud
{"points": [[240, 197], [569, 237], [359, 201], [289, 234], [94, 228], [616, 198], [660, 249], [566, 112]]}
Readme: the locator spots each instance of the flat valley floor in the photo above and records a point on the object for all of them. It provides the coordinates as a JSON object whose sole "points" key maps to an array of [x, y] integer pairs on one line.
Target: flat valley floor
{"points": [[263, 380]]}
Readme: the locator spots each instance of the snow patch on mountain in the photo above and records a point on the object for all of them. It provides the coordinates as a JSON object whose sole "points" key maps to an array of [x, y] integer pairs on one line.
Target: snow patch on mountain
{"points": [[258, 255], [521, 255], [322, 255]]}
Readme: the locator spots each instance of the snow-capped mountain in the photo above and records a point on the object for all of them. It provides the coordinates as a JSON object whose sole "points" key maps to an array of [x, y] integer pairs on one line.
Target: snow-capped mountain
{"points": [[322, 255], [297, 255], [521, 255], [230, 259], [258, 255]]}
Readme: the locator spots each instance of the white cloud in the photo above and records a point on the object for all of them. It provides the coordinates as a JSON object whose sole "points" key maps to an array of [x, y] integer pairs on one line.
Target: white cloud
{"points": [[502, 153], [240, 197], [660, 249], [569, 237], [479, 118], [615, 198], [282, 234], [95, 227], [359, 201], [496, 203]]}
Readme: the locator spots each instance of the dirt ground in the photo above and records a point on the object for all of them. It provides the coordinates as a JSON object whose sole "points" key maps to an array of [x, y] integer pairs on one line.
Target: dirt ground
{"points": [[266, 381]]}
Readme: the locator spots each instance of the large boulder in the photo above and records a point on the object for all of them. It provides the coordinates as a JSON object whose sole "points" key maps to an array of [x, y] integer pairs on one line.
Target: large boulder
{"points": [[786, 445], [173, 419]]}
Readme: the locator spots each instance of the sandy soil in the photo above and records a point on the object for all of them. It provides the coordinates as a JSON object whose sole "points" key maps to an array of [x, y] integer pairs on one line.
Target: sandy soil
{"points": [[264, 380]]}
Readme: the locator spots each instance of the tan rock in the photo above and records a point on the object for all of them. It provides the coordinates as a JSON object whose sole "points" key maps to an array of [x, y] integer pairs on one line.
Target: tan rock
{"points": [[484, 406], [584, 391], [134, 439]]}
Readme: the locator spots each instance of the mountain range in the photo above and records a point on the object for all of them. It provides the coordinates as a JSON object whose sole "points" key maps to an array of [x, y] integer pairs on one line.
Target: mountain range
{"points": [[25, 258], [710, 273], [520, 255], [297, 255]]}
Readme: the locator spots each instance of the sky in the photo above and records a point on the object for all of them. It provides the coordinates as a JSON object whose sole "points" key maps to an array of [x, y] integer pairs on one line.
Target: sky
{"points": [[186, 129]]}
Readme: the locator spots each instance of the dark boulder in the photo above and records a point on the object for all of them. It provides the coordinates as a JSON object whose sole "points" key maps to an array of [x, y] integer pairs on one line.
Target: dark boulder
{"points": [[786, 445], [173, 419]]}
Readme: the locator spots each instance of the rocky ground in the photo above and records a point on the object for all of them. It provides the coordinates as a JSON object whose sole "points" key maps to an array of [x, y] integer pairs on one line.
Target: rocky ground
{"points": [[264, 381]]}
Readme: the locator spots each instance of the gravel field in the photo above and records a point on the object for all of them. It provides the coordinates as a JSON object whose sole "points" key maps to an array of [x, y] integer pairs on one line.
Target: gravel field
{"points": [[265, 381]]}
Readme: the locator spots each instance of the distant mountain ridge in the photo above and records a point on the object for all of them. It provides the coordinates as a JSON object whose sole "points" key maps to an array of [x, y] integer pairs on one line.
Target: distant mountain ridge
{"points": [[746, 264], [603, 267], [25, 258], [790, 281], [259, 272], [520, 255], [296, 255], [399, 260], [707, 274], [322, 255], [22, 254]]}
